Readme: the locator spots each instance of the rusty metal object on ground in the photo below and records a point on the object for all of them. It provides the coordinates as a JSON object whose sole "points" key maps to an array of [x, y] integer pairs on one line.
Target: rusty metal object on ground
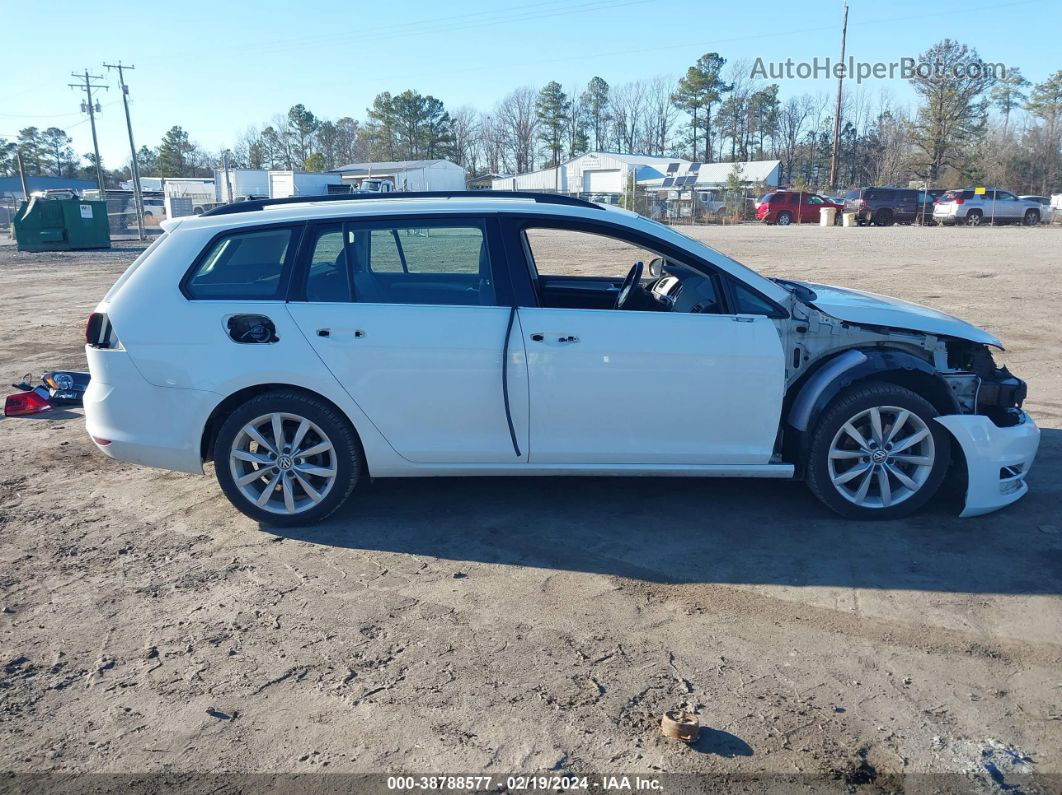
{"points": [[681, 725]]}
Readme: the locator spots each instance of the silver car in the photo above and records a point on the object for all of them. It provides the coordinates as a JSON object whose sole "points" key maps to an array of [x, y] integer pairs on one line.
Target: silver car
{"points": [[987, 206], [1048, 212]]}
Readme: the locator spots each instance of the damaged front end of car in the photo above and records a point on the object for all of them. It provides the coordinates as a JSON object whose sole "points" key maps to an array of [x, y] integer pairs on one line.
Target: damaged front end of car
{"points": [[945, 360]]}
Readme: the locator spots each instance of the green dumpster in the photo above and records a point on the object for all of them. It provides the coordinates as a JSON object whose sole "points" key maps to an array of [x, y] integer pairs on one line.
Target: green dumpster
{"points": [[61, 225]]}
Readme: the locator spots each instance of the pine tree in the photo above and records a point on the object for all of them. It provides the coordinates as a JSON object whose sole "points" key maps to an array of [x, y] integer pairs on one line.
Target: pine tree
{"points": [[596, 101], [552, 109], [174, 153], [697, 92]]}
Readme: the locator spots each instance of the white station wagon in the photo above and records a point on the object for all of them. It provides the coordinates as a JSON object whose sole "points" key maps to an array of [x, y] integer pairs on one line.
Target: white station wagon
{"points": [[304, 344]]}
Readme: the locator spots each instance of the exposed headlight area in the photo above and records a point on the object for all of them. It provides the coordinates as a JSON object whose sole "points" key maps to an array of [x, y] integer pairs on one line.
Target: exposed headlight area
{"points": [[982, 387]]}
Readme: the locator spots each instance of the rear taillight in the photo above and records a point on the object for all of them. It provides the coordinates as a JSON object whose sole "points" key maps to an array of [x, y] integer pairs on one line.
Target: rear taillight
{"points": [[960, 200], [98, 330], [25, 403], [862, 204]]}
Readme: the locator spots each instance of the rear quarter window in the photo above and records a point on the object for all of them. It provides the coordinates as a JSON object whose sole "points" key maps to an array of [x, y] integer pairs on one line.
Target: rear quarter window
{"points": [[244, 265]]}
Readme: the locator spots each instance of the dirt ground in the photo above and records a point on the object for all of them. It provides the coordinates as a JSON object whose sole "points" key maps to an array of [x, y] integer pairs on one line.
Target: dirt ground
{"points": [[508, 625]]}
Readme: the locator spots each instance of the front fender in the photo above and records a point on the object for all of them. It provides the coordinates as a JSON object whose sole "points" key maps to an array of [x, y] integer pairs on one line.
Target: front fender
{"points": [[860, 364]]}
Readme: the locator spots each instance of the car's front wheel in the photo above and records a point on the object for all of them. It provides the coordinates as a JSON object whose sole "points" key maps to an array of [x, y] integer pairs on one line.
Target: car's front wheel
{"points": [[1032, 218], [286, 458], [876, 452]]}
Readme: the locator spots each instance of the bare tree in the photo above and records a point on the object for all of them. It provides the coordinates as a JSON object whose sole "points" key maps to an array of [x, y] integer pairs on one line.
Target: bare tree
{"points": [[792, 125], [492, 142], [467, 148], [518, 124], [661, 113], [628, 114]]}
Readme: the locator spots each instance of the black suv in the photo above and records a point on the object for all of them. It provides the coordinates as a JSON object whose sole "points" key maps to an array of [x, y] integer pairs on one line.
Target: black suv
{"points": [[885, 206]]}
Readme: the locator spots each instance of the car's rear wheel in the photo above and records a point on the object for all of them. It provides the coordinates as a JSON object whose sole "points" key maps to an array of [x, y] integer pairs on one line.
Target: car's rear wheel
{"points": [[1032, 217], [286, 458], [785, 218], [877, 453], [974, 217]]}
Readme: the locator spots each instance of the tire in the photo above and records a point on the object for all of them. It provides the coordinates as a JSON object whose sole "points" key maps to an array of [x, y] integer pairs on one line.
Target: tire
{"points": [[785, 218], [974, 218], [300, 490], [1032, 218], [833, 453], [882, 218]]}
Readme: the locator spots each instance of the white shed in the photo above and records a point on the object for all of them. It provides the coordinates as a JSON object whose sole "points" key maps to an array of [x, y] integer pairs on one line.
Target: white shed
{"points": [[283, 184], [240, 183], [408, 175]]}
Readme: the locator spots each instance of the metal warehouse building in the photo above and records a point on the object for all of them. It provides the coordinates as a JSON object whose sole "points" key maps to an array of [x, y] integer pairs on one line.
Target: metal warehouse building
{"points": [[610, 172], [414, 175]]}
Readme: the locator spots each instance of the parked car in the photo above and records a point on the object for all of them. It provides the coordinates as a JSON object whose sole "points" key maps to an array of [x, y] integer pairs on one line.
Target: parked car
{"points": [[884, 206], [973, 208], [154, 208], [304, 345], [1047, 212], [783, 207]]}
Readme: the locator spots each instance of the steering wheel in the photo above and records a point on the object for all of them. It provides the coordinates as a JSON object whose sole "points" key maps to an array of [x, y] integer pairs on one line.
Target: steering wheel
{"points": [[634, 276]]}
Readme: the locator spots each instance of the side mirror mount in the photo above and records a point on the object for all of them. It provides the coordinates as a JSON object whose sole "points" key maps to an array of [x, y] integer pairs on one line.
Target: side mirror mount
{"points": [[656, 266]]}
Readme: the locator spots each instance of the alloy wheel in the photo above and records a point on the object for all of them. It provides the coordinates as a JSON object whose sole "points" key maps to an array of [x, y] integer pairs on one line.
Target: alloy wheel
{"points": [[881, 457], [283, 463]]}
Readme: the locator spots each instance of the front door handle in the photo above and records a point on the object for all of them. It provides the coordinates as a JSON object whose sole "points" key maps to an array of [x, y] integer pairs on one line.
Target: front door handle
{"points": [[537, 337]]}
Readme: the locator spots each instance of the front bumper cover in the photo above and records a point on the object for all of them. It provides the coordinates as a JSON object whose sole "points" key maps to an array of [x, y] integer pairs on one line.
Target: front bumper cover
{"points": [[998, 459]]}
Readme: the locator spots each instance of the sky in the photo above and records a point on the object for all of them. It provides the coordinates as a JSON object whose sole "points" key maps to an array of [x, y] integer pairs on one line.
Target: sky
{"points": [[217, 68]]}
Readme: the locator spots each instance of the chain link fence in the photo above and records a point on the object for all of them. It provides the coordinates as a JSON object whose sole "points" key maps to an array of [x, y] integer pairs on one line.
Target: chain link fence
{"points": [[683, 207]]}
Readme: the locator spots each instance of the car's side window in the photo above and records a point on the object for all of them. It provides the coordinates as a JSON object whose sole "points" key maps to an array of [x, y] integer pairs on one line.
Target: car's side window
{"points": [[815, 200], [747, 302], [568, 252], [244, 265], [444, 263], [328, 278]]}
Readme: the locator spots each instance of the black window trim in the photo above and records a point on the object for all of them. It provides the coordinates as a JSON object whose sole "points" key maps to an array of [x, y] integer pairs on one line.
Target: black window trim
{"points": [[291, 256], [487, 221], [513, 225]]}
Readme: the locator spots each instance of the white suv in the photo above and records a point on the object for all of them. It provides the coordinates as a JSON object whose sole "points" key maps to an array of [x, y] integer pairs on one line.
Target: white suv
{"points": [[304, 344], [989, 206]]}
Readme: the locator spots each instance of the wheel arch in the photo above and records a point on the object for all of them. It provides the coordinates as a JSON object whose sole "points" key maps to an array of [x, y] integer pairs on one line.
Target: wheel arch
{"points": [[229, 404], [808, 397]]}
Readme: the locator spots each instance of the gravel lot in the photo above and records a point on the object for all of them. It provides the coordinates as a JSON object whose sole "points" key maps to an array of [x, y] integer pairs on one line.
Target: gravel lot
{"points": [[528, 625]]}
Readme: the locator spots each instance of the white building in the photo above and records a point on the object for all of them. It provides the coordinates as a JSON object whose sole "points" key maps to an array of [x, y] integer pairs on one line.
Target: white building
{"points": [[609, 172], [407, 175], [284, 184], [237, 184]]}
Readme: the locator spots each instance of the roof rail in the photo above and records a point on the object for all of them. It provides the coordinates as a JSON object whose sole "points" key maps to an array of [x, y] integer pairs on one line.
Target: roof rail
{"points": [[251, 205]]}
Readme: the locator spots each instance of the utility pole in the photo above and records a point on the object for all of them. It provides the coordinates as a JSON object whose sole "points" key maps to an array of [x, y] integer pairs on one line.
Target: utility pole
{"points": [[22, 176], [87, 87], [837, 112], [134, 167]]}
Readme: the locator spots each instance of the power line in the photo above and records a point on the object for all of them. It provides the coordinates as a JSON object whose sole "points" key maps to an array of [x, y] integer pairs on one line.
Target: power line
{"points": [[837, 114], [134, 166], [87, 85]]}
